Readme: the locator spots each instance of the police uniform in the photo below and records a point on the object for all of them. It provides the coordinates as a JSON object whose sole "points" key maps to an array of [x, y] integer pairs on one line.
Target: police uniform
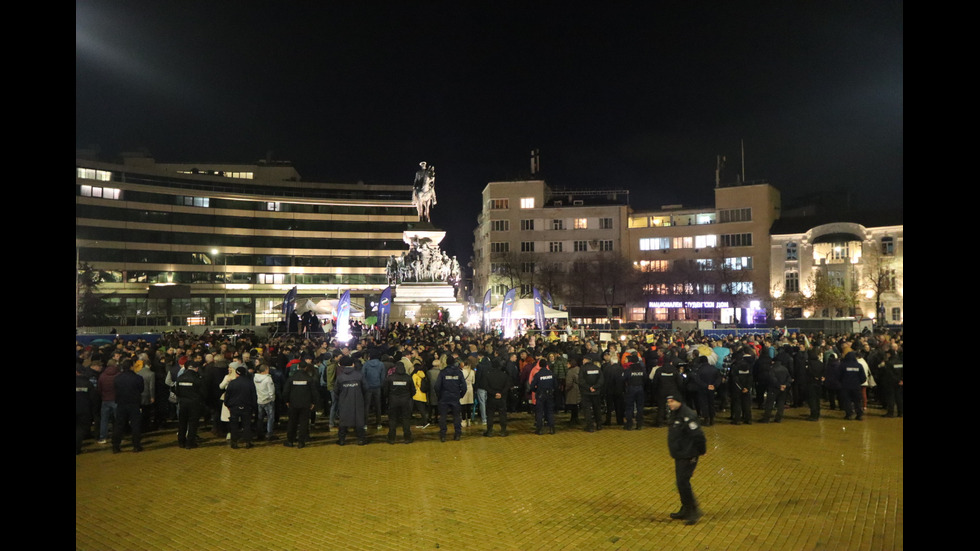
{"points": [[635, 394], [399, 388], [590, 386], [301, 395], [686, 443], [191, 393], [543, 385], [450, 388], [741, 380]]}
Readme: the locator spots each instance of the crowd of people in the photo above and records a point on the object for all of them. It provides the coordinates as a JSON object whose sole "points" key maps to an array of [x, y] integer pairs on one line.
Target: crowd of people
{"points": [[246, 389]]}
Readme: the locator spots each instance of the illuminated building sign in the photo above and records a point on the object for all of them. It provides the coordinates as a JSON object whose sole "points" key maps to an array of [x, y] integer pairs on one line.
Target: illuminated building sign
{"points": [[679, 304]]}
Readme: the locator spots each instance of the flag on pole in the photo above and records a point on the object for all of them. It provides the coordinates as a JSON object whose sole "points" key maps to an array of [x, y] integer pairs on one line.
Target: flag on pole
{"points": [[343, 317], [384, 308], [288, 303], [486, 308], [538, 310], [506, 311]]}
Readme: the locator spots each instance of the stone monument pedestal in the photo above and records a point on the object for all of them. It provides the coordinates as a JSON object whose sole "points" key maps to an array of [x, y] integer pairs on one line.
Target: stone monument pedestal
{"points": [[420, 302]]}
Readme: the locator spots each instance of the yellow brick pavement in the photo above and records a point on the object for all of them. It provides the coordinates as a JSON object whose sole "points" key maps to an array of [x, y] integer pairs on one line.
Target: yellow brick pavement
{"points": [[797, 485]]}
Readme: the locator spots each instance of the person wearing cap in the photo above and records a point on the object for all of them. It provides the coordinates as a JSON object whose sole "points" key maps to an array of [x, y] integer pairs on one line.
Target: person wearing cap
{"points": [[399, 388], [686, 443], [241, 399], [666, 382]]}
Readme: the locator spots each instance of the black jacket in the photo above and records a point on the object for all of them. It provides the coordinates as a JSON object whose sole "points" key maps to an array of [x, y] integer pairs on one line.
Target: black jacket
{"points": [[685, 439]]}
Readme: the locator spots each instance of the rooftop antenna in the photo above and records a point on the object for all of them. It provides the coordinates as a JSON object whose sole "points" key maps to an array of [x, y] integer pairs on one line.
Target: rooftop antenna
{"points": [[743, 160]]}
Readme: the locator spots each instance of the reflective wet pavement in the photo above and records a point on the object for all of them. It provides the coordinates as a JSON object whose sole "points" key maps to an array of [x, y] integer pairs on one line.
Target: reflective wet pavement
{"points": [[797, 485]]}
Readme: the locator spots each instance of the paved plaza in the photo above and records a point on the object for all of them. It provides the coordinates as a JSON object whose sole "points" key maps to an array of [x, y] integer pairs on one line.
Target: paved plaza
{"points": [[797, 485]]}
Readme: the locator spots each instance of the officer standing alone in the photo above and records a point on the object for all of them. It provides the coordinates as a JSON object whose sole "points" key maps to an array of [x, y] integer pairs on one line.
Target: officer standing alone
{"points": [[686, 443]]}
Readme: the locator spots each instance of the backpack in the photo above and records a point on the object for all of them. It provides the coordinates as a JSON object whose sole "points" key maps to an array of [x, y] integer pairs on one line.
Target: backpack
{"points": [[424, 385]]}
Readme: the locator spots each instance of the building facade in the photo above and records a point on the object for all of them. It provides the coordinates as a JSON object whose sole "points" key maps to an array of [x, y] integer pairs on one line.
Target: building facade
{"points": [[529, 235], [709, 263], [209, 244], [838, 269]]}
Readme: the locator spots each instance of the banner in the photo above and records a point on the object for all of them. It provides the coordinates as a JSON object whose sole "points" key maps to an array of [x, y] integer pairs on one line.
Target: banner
{"points": [[343, 317], [538, 310], [288, 303], [384, 308], [547, 300], [486, 308], [506, 311]]}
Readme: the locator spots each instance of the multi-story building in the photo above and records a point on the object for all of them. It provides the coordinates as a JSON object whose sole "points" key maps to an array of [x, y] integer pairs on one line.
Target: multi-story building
{"points": [[828, 268], [530, 235], [709, 263], [179, 244]]}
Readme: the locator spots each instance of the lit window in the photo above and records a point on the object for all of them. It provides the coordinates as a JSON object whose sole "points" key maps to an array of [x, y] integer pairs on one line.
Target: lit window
{"points": [[703, 241], [271, 279], [274, 206], [581, 223], [189, 201], [683, 242], [654, 243], [100, 192], [653, 265], [92, 174], [739, 263], [527, 202]]}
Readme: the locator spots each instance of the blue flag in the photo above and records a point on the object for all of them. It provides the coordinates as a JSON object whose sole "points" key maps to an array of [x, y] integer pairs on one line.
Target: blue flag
{"points": [[538, 309], [288, 303], [384, 308], [507, 310]]}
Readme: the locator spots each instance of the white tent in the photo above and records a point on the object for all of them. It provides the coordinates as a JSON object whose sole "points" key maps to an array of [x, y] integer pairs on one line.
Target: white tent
{"points": [[524, 309], [325, 307]]}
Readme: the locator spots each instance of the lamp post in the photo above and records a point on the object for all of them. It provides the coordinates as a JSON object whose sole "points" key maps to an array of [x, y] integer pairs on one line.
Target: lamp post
{"points": [[224, 301]]}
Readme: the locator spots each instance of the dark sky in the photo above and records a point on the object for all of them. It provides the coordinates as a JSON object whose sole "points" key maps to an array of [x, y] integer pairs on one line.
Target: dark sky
{"points": [[622, 95]]}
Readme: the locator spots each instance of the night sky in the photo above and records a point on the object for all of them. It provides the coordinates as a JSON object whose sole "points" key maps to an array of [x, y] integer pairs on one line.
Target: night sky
{"points": [[619, 95]]}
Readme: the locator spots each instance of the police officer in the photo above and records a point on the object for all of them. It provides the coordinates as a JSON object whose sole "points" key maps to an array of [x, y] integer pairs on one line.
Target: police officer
{"points": [[498, 384], [543, 385], [450, 388], [301, 395], [666, 382], [129, 398], [852, 378], [590, 386], [779, 386], [815, 375], [191, 393], [741, 381], [635, 375], [686, 443], [241, 399], [399, 388]]}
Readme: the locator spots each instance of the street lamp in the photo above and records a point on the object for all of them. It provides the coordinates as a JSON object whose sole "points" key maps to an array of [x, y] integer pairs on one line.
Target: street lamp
{"points": [[224, 277]]}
